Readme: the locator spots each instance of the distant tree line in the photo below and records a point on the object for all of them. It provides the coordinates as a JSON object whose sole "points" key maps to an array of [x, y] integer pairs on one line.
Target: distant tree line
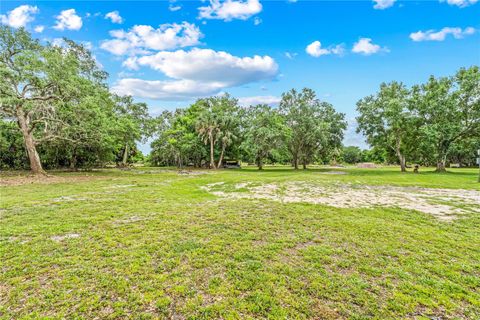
{"points": [[300, 131], [431, 123]]}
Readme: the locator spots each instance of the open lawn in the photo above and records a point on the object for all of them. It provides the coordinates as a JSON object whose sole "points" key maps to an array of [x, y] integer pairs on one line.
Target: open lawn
{"points": [[323, 243]]}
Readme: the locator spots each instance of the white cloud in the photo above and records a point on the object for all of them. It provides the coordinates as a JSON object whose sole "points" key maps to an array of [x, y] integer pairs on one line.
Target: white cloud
{"points": [[315, 49], [115, 17], [68, 19], [39, 29], [195, 73], [257, 21], [230, 9], [366, 47], [432, 35], [141, 38], [460, 3], [383, 4], [165, 89], [20, 16], [211, 66], [173, 8], [251, 101]]}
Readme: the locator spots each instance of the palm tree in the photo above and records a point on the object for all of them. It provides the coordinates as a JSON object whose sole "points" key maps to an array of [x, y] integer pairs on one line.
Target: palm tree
{"points": [[208, 128]]}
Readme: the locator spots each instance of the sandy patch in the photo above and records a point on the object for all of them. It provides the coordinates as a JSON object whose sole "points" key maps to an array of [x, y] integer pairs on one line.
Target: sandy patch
{"points": [[60, 238], [445, 204], [29, 179]]}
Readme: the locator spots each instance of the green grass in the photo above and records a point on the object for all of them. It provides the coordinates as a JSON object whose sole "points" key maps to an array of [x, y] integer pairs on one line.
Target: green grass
{"points": [[147, 245]]}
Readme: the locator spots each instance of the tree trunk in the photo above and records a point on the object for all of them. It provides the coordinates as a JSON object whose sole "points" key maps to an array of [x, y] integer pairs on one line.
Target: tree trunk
{"points": [[260, 163], [304, 164], [441, 164], [33, 157], [295, 161], [221, 157], [212, 161], [73, 163], [125, 155], [400, 156], [403, 166]]}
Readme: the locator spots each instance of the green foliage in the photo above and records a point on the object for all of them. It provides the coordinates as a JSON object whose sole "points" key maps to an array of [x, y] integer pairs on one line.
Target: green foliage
{"points": [[432, 123], [265, 132], [352, 155], [315, 129], [63, 110]]}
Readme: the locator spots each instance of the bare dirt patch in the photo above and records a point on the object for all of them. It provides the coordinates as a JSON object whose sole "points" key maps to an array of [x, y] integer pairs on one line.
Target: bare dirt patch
{"points": [[445, 204], [31, 179]]}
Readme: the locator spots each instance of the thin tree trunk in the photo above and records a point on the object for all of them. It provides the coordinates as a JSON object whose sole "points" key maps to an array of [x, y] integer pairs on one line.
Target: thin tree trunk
{"points": [[212, 161], [403, 166], [125, 155], [400, 156], [73, 163], [33, 157], [295, 161], [221, 157], [304, 164]]}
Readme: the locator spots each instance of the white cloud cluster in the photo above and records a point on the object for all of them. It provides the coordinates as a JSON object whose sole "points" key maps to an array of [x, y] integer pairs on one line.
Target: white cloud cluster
{"points": [[114, 16], [197, 72], [230, 9], [68, 19], [251, 101], [141, 38], [432, 35], [315, 49], [383, 4], [20, 16], [366, 47], [460, 3], [164, 89]]}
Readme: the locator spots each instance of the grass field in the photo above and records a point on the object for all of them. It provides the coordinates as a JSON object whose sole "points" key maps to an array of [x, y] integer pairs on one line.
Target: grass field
{"points": [[152, 243]]}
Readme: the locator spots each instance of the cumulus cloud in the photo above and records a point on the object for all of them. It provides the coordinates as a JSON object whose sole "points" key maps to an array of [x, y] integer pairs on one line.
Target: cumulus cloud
{"points": [[210, 66], [165, 89], [114, 16], [315, 49], [366, 47], [195, 73], [20, 16], [257, 21], [383, 4], [460, 3], [230, 9], [68, 19], [432, 35], [251, 101], [141, 38]]}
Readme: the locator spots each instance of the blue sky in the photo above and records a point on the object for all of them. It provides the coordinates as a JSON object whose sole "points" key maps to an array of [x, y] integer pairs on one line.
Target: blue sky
{"points": [[167, 53]]}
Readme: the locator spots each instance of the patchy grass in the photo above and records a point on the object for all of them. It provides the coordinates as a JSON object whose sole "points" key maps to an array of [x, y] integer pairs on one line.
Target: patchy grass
{"points": [[152, 243]]}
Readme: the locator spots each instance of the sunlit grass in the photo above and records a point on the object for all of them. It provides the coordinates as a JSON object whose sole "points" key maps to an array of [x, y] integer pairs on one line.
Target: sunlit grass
{"points": [[147, 244]]}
